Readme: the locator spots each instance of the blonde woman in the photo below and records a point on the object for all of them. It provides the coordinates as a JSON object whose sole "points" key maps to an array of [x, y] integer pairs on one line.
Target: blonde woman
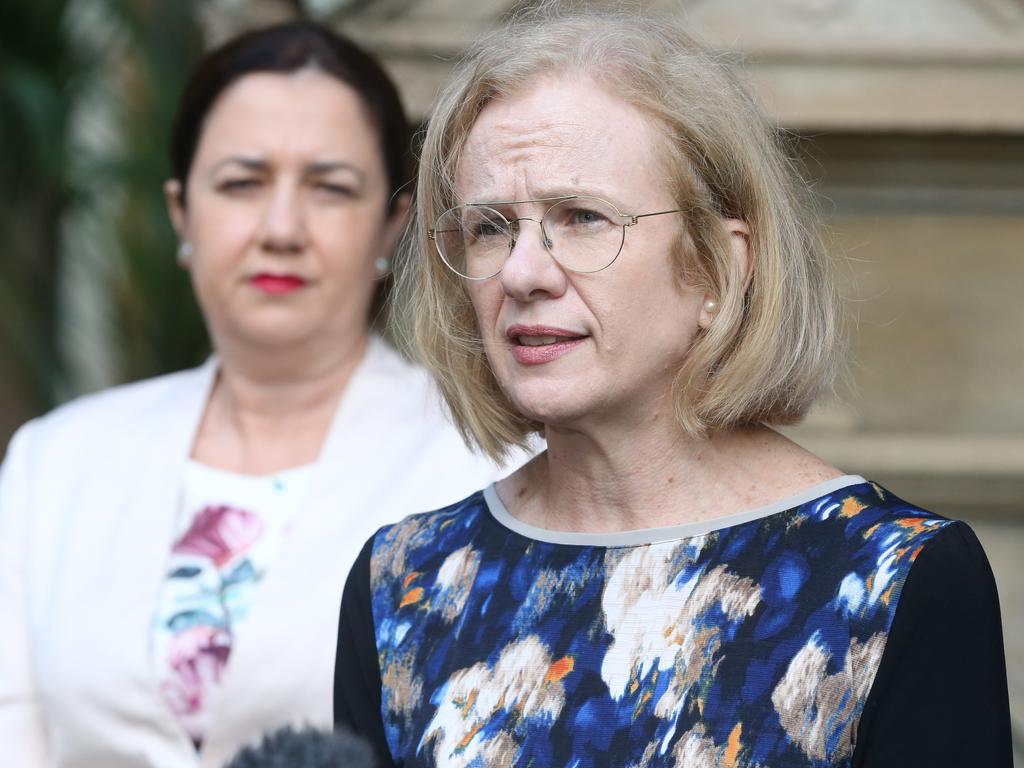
{"points": [[613, 251]]}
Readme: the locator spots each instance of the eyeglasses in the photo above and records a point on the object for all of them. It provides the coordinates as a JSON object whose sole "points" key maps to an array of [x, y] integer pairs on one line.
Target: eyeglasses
{"points": [[582, 233]]}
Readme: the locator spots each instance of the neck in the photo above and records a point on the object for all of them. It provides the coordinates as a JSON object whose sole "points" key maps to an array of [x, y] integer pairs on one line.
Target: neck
{"points": [[653, 475], [272, 411]]}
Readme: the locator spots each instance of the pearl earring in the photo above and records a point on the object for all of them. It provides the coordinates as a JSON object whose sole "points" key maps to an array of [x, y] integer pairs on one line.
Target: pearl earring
{"points": [[711, 306], [381, 265], [185, 251]]}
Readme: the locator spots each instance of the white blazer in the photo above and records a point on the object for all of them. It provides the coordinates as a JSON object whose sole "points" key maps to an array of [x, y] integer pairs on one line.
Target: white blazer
{"points": [[88, 499]]}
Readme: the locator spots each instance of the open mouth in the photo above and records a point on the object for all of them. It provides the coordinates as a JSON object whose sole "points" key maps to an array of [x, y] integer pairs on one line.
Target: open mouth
{"points": [[542, 341], [535, 344]]}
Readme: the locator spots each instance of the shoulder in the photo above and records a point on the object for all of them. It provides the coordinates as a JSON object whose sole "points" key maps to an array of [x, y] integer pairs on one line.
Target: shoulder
{"points": [[882, 537], [897, 569], [104, 415], [126, 401], [929, 547], [435, 459], [950, 573], [920, 561], [869, 515], [943, 670], [424, 541], [410, 393], [383, 365], [410, 401]]}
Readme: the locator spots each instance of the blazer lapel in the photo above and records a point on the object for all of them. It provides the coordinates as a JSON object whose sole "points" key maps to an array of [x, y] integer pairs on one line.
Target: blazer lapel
{"points": [[283, 659], [158, 497], [371, 472]]}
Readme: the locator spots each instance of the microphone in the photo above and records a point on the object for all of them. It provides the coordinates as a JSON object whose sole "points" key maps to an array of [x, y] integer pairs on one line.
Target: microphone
{"points": [[306, 748]]}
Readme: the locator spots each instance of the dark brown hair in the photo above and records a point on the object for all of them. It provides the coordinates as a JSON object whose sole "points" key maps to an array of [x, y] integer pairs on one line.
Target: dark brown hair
{"points": [[288, 48]]}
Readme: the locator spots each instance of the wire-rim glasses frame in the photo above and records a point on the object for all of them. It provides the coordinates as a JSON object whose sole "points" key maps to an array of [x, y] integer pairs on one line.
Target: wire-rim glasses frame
{"points": [[625, 220]]}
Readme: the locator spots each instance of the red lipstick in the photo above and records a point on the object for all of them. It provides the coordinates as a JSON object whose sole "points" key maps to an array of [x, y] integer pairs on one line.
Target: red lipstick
{"points": [[277, 285], [538, 344]]}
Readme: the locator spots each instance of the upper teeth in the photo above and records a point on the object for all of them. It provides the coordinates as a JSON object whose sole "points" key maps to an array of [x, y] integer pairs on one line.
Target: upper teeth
{"points": [[536, 341]]}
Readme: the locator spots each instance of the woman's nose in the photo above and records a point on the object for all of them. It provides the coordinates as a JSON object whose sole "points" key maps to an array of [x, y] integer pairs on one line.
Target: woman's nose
{"points": [[530, 272], [283, 225]]}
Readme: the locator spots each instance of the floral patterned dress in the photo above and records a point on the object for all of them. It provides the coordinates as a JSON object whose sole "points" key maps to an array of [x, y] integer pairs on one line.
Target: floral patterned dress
{"points": [[230, 528]]}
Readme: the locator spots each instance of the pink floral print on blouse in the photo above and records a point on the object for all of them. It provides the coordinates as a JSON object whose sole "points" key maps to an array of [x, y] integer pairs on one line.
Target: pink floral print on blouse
{"points": [[215, 568], [211, 554]]}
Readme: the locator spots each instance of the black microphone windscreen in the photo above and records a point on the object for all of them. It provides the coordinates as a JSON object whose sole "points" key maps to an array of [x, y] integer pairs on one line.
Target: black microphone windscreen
{"points": [[306, 748]]}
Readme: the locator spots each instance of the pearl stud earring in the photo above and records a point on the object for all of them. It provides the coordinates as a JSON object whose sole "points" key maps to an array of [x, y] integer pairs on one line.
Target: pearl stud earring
{"points": [[185, 251], [381, 265], [711, 306]]}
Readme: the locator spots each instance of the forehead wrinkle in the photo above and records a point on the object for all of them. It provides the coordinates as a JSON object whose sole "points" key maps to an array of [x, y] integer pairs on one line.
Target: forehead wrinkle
{"points": [[564, 141], [517, 142], [507, 151], [516, 134]]}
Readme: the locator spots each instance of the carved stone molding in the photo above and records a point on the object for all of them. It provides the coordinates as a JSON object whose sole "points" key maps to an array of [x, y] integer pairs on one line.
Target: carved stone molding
{"points": [[819, 9], [975, 31], [1001, 12], [917, 65]]}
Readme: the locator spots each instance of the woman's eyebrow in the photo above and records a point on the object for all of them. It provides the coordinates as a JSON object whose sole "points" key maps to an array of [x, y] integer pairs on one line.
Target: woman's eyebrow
{"points": [[318, 167], [246, 161], [330, 166]]}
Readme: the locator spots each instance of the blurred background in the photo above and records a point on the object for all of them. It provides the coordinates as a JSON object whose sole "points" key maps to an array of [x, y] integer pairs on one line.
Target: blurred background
{"points": [[908, 117]]}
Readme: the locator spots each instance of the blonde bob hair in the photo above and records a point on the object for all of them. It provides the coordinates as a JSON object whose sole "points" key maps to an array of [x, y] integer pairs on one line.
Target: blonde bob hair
{"points": [[773, 345]]}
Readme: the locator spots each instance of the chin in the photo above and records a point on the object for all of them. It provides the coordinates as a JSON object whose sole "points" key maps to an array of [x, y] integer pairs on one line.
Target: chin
{"points": [[275, 333], [551, 404]]}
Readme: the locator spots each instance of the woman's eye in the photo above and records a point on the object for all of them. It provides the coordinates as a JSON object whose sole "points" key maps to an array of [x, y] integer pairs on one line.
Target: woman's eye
{"points": [[581, 218], [487, 229], [587, 217], [338, 190], [238, 185]]}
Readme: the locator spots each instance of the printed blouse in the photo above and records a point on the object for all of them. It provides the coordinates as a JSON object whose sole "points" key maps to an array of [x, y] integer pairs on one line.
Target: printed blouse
{"points": [[841, 627], [230, 529]]}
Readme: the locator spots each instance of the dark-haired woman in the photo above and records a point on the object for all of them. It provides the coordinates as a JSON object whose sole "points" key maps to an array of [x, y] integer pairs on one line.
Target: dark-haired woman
{"points": [[172, 552]]}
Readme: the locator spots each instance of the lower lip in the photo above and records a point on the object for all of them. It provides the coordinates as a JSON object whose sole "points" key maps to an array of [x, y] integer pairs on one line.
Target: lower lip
{"points": [[545, 353], [277, 285]]}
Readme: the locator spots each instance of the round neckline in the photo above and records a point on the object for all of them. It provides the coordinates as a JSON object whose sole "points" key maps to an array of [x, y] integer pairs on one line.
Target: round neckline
{"points": [[226, 474], [643, 536]]}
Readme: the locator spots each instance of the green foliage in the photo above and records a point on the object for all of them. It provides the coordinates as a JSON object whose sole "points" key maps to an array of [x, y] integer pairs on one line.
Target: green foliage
{"points": [[35, 80], [157, 324], [48, 70]]}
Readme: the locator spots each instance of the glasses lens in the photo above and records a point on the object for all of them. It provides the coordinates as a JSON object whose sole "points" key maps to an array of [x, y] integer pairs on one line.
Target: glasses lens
{"points": [[473, 240], [584, 234]]}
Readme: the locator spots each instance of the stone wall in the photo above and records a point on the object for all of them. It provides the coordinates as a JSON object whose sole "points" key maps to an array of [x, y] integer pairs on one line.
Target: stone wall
{"points": [[911, 115]]}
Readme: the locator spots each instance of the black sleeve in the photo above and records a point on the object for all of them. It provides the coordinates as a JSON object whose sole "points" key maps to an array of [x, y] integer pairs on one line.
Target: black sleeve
{"points": [[940, 697], [357, 684]]}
